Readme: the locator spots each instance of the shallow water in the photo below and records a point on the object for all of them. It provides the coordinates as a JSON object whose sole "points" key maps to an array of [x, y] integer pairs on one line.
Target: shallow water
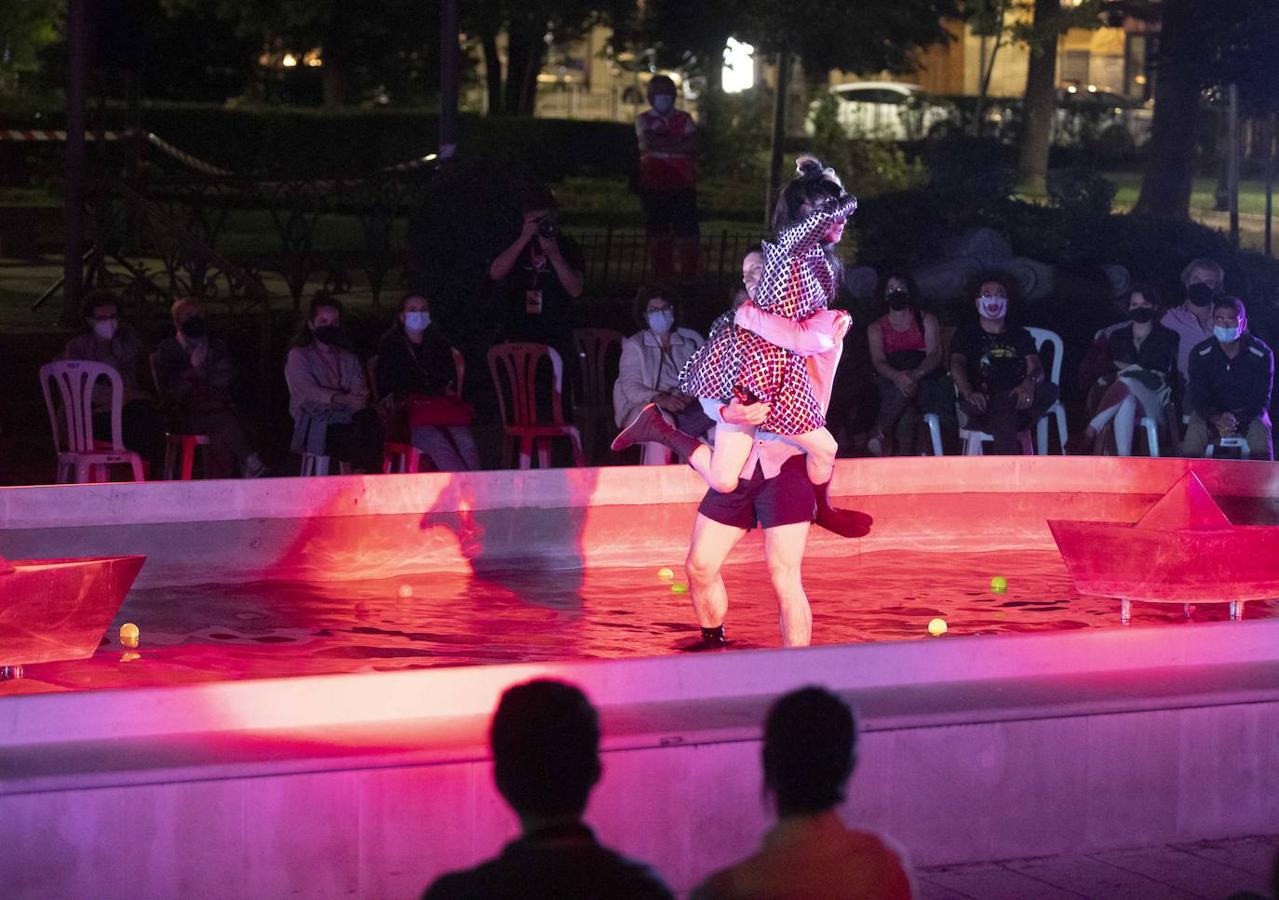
{"points": [[268, 630]]}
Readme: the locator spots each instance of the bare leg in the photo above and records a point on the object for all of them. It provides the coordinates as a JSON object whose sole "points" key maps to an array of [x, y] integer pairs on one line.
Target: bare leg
{"points": [[784, 552], [821, 448], [722, 466], [709, 548]]}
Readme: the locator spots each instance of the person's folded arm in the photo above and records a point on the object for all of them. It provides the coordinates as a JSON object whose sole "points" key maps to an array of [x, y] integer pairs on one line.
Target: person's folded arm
{"points": [[303, 385]]}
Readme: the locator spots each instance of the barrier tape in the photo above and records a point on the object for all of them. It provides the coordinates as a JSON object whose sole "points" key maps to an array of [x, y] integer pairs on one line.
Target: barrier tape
{"points": [[187, 159]]}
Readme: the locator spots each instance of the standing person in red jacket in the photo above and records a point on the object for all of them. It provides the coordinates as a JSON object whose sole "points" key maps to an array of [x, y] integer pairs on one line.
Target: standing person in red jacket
{"points": [[668, 181]]}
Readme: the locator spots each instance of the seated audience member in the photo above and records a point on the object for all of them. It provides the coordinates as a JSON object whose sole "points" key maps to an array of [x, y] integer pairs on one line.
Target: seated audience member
{"points": [[1231, 377], [328, 394], [809, 754], [1192, 319], [1130, 371], [545, 740], [193, 372], [905, 349], [110, 341], [997, 371], [415, 360], [648, 372]]}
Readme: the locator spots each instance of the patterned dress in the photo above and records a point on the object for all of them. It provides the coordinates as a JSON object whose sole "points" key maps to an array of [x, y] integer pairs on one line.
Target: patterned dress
{"points": [[798, 281]]}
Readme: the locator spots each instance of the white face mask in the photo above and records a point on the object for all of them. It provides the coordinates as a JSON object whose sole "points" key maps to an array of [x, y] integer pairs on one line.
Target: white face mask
{"points": [[1226, 334], [106, 328], [992, 307], [661, 321], [417, 321]]}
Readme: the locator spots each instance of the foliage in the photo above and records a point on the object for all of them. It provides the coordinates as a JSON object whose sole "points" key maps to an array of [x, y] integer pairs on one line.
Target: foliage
{"points": [[26, 27], [868, 167]]}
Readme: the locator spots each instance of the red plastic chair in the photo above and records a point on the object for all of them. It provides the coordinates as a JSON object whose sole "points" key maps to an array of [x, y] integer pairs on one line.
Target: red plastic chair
{"points": [[179, 448], [598, 350], [80, 458], [514, 370]]}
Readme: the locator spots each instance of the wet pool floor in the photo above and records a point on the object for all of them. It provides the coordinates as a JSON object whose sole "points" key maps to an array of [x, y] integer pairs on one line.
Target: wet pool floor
{"points": [[270, 630]]}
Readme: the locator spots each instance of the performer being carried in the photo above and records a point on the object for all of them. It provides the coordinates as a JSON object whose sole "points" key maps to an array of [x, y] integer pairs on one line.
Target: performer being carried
{"points": [[801, 276]]}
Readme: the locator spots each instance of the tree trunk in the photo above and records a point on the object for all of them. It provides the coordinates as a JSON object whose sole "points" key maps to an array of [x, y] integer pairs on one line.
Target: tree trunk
{"points": [[492, 73], [1170, 168], [518, 50], [528, 83], [1040, 102], [334, 83]]}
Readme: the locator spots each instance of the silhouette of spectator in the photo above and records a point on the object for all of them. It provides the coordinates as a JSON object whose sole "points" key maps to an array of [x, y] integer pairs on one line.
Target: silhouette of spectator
{"points": [[108, 340], [545, 739], [328, 393], [193, 372], [905, 349], [809, 741]]}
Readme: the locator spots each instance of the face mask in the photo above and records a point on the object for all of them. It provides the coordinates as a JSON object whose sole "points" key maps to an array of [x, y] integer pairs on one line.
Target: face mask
{"points": [[194, 328], [897, 299], [1227, 335], [327, 334], [106, 328], [1200, 294], [417, 321], [1141, 315], [663, 103], [661, 321], [992, 307]]}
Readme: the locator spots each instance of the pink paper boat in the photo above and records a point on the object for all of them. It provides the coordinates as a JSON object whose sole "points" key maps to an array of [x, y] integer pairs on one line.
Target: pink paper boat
{"points": [[1184, 550]]}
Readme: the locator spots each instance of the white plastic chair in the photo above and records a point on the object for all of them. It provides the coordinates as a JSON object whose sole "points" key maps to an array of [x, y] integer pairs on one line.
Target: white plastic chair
{"points": [[1236, 443], [933, 421], [80, 458], [1041, 337]]}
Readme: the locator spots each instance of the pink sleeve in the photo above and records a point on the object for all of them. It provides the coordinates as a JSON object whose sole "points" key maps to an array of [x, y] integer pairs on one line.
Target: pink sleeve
{"points": [[813, 335]]}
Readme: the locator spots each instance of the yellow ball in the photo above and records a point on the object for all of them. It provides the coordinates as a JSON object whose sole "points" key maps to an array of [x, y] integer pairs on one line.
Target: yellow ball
{"points": [[679, 587], [666, 574], [406, 591], [130, 656], [999, 584], [937, 627], [129, 632]]}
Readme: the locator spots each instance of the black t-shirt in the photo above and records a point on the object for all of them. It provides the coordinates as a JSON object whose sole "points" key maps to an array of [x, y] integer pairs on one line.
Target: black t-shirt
{"points": [[994, 362], [555, 864], [405, 368], [534, 305]]}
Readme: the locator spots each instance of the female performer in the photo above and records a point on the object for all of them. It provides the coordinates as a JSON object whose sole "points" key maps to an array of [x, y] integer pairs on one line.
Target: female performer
{"points": [[801, 275]]}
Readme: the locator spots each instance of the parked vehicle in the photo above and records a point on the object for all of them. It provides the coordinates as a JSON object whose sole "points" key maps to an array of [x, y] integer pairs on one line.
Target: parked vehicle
{"points": [[890, 110], [1085, 117]]}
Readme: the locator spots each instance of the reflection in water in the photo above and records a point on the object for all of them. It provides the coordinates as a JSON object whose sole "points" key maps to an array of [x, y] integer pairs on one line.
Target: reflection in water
{"points": [[274, 629]]}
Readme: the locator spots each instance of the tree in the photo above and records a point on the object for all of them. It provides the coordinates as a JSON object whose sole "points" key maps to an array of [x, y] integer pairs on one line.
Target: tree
{"points": [[987, 19], [1203, 43], [26, 27], [527, 24]]}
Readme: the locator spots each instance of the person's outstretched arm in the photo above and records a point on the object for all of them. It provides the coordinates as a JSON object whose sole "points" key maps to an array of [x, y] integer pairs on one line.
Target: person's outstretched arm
{"points": [[806, 234]]}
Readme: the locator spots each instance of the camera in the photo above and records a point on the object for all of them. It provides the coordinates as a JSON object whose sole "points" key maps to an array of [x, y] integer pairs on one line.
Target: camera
{"points": [[547, 228]]}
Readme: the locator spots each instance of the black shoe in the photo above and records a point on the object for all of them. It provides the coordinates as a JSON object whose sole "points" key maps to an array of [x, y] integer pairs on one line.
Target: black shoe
{"points": [[847, 523]]}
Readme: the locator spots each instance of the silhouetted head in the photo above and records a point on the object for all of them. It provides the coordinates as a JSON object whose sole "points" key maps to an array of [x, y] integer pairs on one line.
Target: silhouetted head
{"points": [[809, 742], [545, 738]]}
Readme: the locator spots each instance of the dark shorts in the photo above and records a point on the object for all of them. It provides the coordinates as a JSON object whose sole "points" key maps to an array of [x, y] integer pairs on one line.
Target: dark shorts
{"points": [[784, 500], [673, 210]]}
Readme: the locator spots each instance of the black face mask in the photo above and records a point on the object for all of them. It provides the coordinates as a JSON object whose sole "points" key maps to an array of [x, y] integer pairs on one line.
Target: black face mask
{"points": [[898, 300], [1200, 294], [194, 327], [328, 334], [1142, 315]]}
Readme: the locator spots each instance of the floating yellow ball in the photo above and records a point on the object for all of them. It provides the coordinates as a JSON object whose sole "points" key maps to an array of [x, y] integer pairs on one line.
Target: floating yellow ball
{"points": [[406, 591], [999, 584], [129, 634], [679, 587], [666, 574], [937, 627]]}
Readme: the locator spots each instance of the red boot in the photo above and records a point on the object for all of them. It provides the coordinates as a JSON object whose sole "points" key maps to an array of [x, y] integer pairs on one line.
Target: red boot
{"points": [[846, 523]]}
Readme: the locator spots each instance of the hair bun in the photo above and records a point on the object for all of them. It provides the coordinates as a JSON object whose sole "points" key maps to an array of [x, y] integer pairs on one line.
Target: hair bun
{"points": [[809, 167]]}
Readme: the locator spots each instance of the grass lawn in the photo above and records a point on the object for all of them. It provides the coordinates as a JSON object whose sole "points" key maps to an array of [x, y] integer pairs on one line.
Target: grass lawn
{"points": [[1252, 193]]}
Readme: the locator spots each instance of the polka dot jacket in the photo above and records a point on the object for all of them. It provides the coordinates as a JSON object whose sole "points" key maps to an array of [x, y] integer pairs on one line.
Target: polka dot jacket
{"points": [[798, 281]]}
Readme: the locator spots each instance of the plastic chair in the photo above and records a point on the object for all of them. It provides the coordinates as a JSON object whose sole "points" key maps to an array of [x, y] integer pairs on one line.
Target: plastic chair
{"points": [[80, 458], [401, 456], [514, 368], [933, 421], [598, 351], [1041, 337], [315, 464], [179, 448]]}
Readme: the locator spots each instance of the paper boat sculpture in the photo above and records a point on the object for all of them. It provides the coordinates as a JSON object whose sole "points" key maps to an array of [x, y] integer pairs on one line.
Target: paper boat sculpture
{"points": [[56, 609], [1184, 550]]}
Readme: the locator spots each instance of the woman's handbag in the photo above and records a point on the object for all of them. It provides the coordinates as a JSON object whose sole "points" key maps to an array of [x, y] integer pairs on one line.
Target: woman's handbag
{"points": [[441, 411]]}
